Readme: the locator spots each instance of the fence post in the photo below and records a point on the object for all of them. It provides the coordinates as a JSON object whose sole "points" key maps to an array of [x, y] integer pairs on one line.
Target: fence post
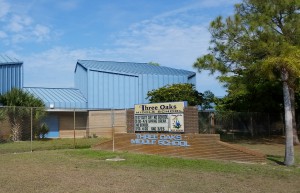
{"points": [[113, 128], [74, 130], [269, 126], [251, 124], [212, 123], [31, 122]]}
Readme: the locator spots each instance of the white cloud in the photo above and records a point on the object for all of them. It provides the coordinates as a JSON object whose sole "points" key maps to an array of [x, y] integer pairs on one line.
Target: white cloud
{"points": [[171, 46], [3, 34], [173, 39], [17, 23], [178, 43], [4, 8], [17, 26], [41, 32], [68, 5], [54, 67], [18, 38], [24, 30]]}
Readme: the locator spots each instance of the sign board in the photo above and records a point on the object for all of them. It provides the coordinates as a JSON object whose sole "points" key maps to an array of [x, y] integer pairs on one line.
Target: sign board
{"points": [[159, 117], [159, 108]]}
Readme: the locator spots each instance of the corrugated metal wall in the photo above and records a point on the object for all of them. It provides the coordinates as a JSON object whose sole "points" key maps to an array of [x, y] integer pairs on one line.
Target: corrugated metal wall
{"points": [[11, 76], [153, 81], [81, 80], [192, 80], [123, 89], [109, 90]]}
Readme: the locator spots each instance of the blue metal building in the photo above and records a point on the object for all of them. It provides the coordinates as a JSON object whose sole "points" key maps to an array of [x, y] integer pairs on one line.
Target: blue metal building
{"points": [[98, 85], [122, 84], [11, 73]]}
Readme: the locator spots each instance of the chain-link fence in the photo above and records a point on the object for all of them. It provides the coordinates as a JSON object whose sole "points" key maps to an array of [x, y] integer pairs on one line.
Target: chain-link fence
{"points": [[246, 124], [29, 129]]}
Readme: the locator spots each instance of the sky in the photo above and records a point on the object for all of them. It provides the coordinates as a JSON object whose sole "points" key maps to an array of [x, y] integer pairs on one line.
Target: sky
{"points": [[49, 36]]}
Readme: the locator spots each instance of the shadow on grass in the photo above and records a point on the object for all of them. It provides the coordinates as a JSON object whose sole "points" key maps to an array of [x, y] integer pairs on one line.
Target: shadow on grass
{"points": [[275, 159]]}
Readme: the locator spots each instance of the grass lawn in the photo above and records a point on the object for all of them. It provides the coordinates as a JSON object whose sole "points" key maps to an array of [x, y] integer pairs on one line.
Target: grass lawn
{"points": [[86, 170], [47, 144]]}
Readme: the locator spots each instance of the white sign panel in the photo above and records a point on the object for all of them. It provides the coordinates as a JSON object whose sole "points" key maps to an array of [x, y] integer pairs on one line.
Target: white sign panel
{"points": [[151, 123], [159, 122], [159, 108], [159, 117]]}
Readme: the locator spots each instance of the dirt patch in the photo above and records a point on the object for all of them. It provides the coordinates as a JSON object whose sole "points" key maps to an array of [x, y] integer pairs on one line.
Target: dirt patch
{"points": [[116, 159]]}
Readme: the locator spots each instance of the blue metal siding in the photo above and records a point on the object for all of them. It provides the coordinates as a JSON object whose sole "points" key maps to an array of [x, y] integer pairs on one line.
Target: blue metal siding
{"points": [[156, 80], [140, 89], [165, 80], [152, 81], [123, 84], [192, 80], [81, 81], [108, 90], [137, 93], [11, 76], [144, 88], [121, 92], [134, 92], [176, 79], [126, 85]]}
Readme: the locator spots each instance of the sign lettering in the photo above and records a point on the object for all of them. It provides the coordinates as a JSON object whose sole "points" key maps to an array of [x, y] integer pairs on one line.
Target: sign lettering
{"points": [[156, 139], [155, 108]]}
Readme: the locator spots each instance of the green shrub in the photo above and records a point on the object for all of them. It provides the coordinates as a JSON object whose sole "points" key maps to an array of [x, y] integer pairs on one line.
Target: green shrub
{"points": [[42, 131]]}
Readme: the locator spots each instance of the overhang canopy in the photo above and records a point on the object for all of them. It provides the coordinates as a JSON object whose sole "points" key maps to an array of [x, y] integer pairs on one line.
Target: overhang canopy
{"points": [[59, 98]]}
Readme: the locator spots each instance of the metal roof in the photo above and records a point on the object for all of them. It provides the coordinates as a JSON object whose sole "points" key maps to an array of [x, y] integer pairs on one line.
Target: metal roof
{"points": [[59, 98], [132, 68], [4, 59]]}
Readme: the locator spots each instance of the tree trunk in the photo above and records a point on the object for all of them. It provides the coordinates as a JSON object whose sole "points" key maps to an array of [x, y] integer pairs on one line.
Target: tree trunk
{"points": [[16, 127], [295, 133], [16, 132], [289, 146]]}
